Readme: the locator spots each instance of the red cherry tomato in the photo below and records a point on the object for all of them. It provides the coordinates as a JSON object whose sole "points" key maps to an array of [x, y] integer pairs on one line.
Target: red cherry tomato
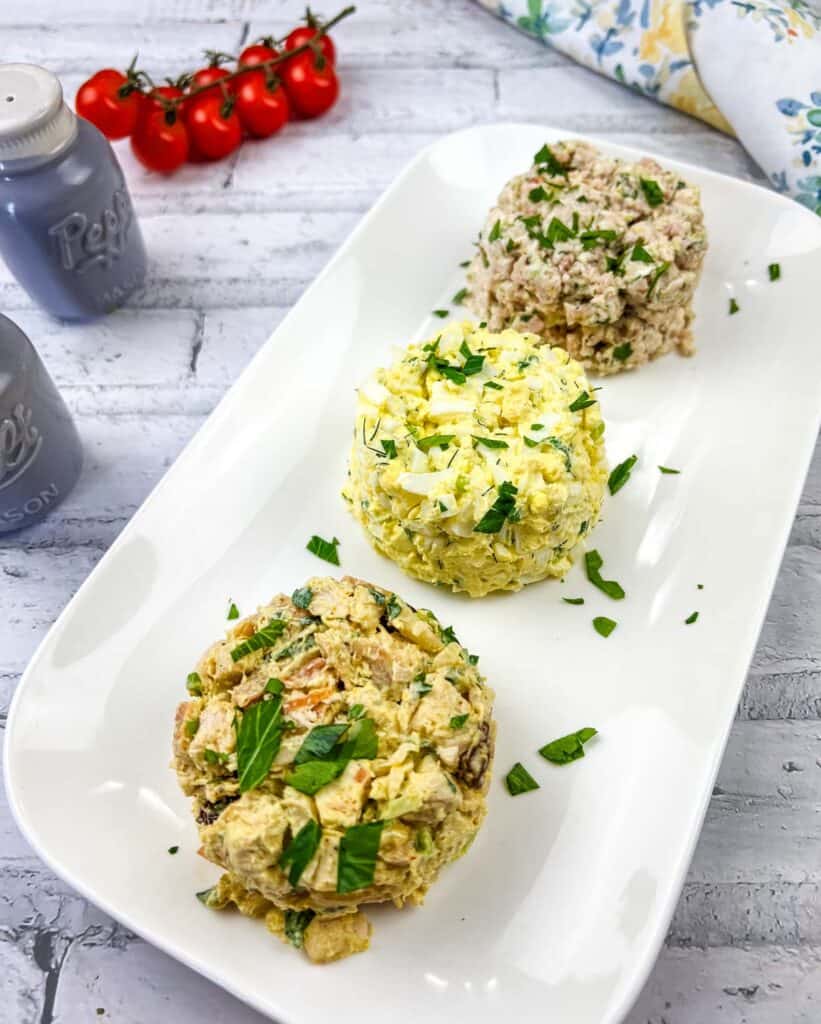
{"points": [[257, 53], [160, 141], [304, 34], [213, 130], [99, 100], [311, 90], [210, 76], [262, 105], [150, 104]]}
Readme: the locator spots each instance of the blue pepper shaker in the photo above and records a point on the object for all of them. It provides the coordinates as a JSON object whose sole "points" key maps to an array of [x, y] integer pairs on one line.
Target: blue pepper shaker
{"points": [[40, 453], [67, 227]]}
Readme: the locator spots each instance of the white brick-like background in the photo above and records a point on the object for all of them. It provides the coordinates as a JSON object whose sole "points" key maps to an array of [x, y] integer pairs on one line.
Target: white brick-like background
{"points": [[232, 246]]}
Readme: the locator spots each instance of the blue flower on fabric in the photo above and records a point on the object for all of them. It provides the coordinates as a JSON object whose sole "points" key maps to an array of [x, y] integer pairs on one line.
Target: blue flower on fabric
{"points": [[542, 20], [804, 125], [606, 45]]}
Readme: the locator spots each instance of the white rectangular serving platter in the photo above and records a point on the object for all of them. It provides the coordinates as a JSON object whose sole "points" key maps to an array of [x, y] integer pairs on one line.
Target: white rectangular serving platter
{"points": [[559, 909]]}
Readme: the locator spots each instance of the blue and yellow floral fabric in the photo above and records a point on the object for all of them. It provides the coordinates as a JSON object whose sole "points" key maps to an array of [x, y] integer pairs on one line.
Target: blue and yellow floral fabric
{"points": [[747, 67]]}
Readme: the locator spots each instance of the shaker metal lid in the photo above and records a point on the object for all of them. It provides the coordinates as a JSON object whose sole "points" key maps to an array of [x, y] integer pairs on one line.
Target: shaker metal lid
{"points": [[34, 120]]}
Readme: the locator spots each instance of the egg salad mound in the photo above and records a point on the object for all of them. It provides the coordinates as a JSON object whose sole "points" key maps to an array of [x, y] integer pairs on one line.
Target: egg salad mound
{"points": [[337, 747], [478, 459]]}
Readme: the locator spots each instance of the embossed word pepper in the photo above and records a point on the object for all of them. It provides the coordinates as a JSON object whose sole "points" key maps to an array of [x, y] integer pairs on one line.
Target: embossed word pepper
{"points": [[67, 226], [40, 454]]}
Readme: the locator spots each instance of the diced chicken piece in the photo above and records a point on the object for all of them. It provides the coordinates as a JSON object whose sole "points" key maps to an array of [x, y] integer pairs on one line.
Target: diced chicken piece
{"points": [[364, 609], [416, 629], [299, 808], [397, 844], [390, 661], [330, 600], [332, 938], [320, 874], [186, 712], [428, 796], [340, 802], [247, 838], [216, 730], [436, 709]]}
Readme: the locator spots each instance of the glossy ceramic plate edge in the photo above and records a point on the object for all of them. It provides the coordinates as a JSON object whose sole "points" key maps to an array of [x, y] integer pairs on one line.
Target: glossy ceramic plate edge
{"points": [[643, 966]]}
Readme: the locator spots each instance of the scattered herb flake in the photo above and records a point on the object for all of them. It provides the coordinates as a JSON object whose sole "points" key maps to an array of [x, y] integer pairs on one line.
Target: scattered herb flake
{"points": [[296, 921], [519, 780], [593, 562], [191, 727], [691, 619], [573, 600], [774, 270], [194, 684], [652, 191], [358, 849], [265, 637], [546, 161], [441, 313], [459, 297], [389, 448], [458, 721], [734, 307], [424, 444], [173, 849], [567, 748], [492, 384], [669, 471], [581, 401], [604, 626], [654, 277], [233, 612], [641, 255], [324, 549], [298, 853], [490, 442], [357, 711], [465, 263], [621, 474], [537, 195], [393, 606], [302, 597], [501, 509], [495, 232], [623, 352]]}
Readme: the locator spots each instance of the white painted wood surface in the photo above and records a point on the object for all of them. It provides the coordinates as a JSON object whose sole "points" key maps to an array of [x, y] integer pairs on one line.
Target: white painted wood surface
{"points": [[232, 246]]}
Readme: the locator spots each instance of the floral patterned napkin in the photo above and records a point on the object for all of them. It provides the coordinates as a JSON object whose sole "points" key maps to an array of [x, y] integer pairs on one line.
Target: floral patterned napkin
{"points": [[751, 68]]}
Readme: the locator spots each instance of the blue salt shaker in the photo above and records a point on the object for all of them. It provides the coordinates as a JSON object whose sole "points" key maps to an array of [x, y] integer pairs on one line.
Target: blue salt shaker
{"points": [[40, 453], [67, 226]]}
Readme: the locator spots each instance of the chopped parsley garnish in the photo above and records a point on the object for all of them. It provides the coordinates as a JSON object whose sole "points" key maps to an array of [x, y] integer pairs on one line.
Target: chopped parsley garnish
{"points": [[581, 401], [531, 443], [191, 727], [519, 780], [538, 195], [473, 659], [621, 474], [458, 721], [546, 161], [459, 297], [298, 853], [604, 626], [302, 597], [662, 268], [393, 606], [473, 362], [502, 509], [357, 711], [774, 270], [441, 313], [447, 635], [258, 738], [590, 239], [623, 352], [173, 849], [214, 756], [560, 446], [389, 448], [557, 231], [465, 263], [492, 384], [700, 586], [641, 255], [324, 549], [424, 444], [652, 191], [734, 307], [419, 686], [669, 471], [296, 921], [593, 562], [495, 232], [490, 442], [691, 619], [358, 849], [265, 637], [194, 684], [567, 748], [233, 612], [573, 600]]}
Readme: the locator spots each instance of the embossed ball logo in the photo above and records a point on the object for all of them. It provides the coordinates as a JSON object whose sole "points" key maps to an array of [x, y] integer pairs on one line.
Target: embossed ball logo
{"points": [[20, 442]]}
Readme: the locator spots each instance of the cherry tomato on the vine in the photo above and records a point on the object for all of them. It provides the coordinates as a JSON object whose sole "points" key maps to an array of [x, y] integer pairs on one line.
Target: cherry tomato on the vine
{"points": [[101, 101], [213, 126], [210, 76], [262, 104], [150, 103], [160, 140], [257, 53], [304, 34], [312, 90]]}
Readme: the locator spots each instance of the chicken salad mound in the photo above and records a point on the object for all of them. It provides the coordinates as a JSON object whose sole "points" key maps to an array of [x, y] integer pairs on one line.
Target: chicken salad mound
{"points": [[337, 745], [478, 460], [594, 254]]}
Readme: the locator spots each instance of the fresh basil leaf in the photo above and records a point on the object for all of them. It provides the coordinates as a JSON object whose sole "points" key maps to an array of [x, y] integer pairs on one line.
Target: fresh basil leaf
{"points": [[302, 598], [301, 849], [652, 191], [458, 721], [364, 741], [538, 195], [581, 401], [546, 161], [593, 562], [311, 776], [623, 352], [358, 850], [357, 711], [502, 509], [567, 748], [296, 921], [621, 474], [258, 738], [194, 684], [325, 549], [641, 255], [691, 619], [490, 442], [424, 444], [233, 612], [774, 270], [319, 743], [573, 600], [604, 626], [519, 780], [263, 638]]}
